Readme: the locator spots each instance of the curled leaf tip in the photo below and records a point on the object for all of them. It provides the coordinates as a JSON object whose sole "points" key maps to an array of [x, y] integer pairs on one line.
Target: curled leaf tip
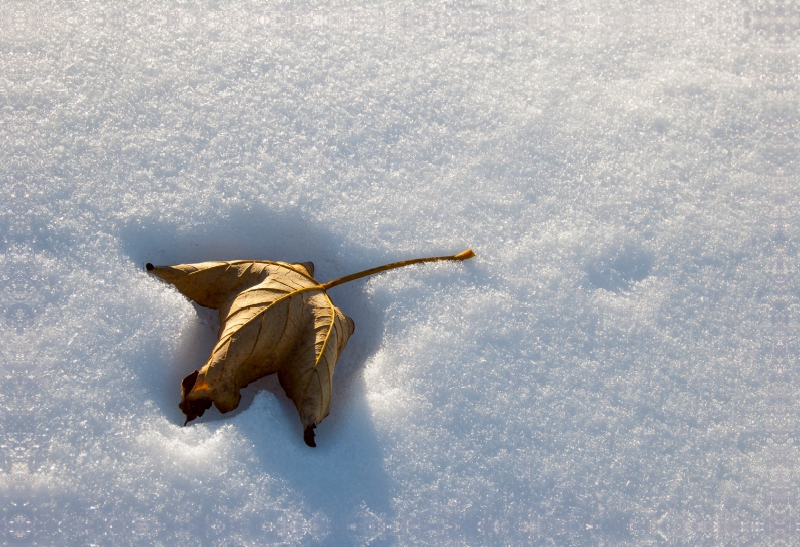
{"points": [[193, 407], [465, 255], [308, 436]]}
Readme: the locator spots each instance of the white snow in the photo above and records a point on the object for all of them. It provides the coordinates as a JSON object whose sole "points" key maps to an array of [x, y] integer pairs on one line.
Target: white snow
{"points": [[616, 366]]}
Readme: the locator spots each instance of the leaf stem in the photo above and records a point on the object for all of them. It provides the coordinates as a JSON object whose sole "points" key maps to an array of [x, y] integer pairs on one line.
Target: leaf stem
{"points": [[460, 256]]}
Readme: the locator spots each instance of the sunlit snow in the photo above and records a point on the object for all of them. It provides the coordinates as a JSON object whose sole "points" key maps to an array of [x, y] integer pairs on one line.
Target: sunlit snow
{"points": [[618, 365]]}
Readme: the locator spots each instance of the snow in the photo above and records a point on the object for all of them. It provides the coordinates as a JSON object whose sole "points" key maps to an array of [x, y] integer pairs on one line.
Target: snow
{"points": [[616, 366]]}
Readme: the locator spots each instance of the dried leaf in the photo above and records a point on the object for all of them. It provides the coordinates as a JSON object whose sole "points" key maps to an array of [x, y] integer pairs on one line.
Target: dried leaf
{"points": [[274, 318]]}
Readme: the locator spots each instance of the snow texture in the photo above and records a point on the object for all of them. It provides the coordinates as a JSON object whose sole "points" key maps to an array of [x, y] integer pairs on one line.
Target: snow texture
{"points": [[617, 366]]}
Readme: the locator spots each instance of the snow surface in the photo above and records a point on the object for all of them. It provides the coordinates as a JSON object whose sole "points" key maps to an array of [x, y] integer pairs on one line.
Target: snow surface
{"points": [[618, 364]]}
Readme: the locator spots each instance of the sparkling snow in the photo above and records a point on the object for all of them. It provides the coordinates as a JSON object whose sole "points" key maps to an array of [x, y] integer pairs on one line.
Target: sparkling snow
{"points": [[618, 365]]}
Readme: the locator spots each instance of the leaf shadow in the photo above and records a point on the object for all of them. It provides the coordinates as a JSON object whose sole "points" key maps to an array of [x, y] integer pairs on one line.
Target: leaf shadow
{"points": [[345, 472]]}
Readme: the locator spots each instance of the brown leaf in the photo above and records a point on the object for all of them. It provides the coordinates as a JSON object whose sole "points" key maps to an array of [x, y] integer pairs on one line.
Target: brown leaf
{"points": [[274, 317]]}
